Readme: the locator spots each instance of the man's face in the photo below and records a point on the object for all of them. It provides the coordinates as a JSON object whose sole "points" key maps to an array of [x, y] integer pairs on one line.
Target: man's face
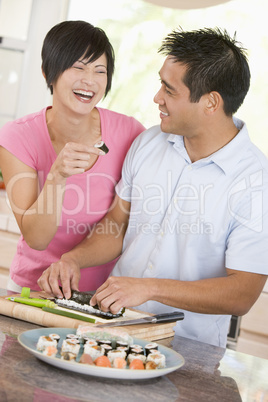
{"points": [[178, 115]]}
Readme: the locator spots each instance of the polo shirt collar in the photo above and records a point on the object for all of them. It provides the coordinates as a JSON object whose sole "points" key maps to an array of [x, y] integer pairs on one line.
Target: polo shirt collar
{"points": [[227, 157]]}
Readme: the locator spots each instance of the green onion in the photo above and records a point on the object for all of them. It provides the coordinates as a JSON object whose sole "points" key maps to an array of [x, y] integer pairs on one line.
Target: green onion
{"points": [[32, 302], [67, 314], [25, 292]]}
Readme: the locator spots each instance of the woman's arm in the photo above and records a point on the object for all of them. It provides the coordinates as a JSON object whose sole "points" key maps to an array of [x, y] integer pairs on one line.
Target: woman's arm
{"points": [[36, 210], [103, 244]]}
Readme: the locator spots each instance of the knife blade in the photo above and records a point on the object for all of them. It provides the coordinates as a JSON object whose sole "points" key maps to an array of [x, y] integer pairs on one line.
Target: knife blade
{"points": [[154, 319]]}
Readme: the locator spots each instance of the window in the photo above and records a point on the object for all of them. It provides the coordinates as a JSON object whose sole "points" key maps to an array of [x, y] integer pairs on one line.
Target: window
{"points": [[136, 29]]}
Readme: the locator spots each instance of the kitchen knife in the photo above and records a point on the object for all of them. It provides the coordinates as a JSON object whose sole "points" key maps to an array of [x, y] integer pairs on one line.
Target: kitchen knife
{"points": [[154, 319]]}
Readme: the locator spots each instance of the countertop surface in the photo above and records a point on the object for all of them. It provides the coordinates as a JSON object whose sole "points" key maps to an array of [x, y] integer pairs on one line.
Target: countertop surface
{"points": [[210, 373]]}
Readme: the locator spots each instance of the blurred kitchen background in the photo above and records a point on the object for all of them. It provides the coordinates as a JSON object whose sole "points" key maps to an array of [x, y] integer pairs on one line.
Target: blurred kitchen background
{"points": [[136, 29]]}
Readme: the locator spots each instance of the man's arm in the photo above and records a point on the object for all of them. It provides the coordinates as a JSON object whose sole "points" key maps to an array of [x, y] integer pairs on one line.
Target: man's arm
{"points": [[102, 245], [233, 295]]}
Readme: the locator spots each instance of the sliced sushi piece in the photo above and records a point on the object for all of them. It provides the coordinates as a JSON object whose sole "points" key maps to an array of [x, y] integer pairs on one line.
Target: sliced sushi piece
{"points": [[119, 363], [133, 356], [45, 341], [150, 346], [107, 348], [50, 351], [104, 341], [124, 348], [91, 342], [137, 351], [73, 336], [136, 364], [135, 346], [70, 345], [102, 361], [101, 145], [94, 351], [158, 358], [55, 336], [150, 365], [86, 359], [112, 354], [121, 343], [68, 356]]}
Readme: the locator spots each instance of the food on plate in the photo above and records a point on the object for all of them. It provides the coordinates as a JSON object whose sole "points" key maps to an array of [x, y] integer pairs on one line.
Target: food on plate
{"points": [[149, 365], [106, 348], [92, 346], [134, 356], [94, 351], [68, 356], [111, 334], [55, 336], [50, 351], [103, 361], [158, 358], [149, 347], [70, 345], [119, 363], [86, 359], [45, 341], [113, 354], [90, 342], [136, 364]]}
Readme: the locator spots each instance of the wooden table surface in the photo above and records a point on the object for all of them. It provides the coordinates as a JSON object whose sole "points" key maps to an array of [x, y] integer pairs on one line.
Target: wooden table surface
{"points": [[210, 374]]}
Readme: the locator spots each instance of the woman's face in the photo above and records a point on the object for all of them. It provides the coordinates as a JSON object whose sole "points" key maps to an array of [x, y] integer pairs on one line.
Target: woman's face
{"points": [[79, 88]]}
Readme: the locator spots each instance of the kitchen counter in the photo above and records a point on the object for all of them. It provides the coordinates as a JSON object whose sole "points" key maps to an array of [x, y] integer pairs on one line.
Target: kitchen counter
{"points": [[210, 373]]}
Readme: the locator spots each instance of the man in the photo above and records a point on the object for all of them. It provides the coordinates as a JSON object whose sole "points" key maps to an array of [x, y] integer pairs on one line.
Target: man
{"points": [[191, 212]]}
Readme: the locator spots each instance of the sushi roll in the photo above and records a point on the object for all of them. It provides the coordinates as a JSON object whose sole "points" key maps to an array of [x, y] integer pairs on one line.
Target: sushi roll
{"points": [[50, 351], [73, 336], [55, 336], [116, 353], [124, 348], [119, 363], [107, 348], [91, 342], [137, 351], [45, 341], [94, 351], [133, 356], [150, 365], [70, 345], [104, 342], [158, 358], [149, 347], [135, 346], [121, 343], [102, 146], [68, 356]]}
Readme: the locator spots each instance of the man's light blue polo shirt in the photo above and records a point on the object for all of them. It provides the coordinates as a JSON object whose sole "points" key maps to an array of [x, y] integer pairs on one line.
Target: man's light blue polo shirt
{"points": [[189, 221]]}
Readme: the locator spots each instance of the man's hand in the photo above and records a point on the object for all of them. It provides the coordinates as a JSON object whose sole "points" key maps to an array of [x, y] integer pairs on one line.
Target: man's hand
{"points": [[118, 292], [65, 271]]}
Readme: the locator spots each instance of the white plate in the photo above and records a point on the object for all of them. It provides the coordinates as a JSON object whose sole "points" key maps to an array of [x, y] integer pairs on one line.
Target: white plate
{"points": [[29, 340]]}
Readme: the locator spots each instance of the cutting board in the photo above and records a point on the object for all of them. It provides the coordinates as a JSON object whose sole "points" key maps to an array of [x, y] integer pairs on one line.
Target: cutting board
{"points": [[150, 332]]}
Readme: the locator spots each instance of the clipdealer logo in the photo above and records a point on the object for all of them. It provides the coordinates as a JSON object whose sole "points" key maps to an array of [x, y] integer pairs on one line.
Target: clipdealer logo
{"points": [[253, 215]]}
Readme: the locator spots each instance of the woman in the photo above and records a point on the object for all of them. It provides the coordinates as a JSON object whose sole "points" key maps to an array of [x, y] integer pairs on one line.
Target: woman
{"points": [[58, 182]]}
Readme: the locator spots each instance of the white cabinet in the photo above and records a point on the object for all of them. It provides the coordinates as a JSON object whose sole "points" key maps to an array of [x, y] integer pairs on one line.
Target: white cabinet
{"points": [[253, 337], [9, 236]]}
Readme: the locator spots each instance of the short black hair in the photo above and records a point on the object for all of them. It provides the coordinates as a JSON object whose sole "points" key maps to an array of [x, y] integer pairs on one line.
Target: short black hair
{"points": [[214, 62], [67, 42]]}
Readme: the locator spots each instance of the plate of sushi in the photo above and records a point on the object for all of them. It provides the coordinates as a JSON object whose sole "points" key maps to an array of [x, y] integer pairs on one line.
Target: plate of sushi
{"points": [[101, 352]]}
